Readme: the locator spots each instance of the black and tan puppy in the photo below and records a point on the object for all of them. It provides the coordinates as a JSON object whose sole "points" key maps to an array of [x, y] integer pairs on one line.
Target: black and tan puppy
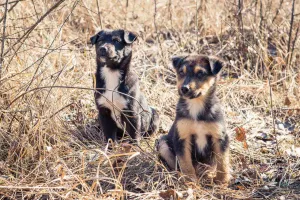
{"points": [[197, 137], [122, 107]]}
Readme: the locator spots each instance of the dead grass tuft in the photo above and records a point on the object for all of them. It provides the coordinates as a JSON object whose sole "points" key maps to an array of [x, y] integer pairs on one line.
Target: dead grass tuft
{"points": [[50, 144]]}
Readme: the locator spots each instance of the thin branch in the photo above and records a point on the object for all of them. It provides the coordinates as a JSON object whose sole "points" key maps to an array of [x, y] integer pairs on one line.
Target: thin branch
{"points": [[26, 34], [10, 10], [272, 111], [277, 11], [37, 16], [99, 15], [5, 4], [290, 33], [196, 26], [126, 13], [294, 43], [3, 38]]}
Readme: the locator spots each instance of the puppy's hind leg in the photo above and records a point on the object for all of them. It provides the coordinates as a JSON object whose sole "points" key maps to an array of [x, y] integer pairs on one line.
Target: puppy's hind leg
{"points": [[154, 122], [165, 153]]}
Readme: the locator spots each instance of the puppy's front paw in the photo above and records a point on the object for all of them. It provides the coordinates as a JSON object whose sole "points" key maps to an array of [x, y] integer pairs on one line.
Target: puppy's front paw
{"points": [[222, 179]]}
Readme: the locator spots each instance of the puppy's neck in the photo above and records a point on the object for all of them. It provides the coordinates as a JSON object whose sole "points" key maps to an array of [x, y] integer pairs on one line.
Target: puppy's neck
{"points": [[202, 104]]}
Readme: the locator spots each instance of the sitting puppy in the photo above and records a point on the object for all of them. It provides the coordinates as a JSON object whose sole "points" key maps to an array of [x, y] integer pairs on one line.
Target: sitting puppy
{"points": [[197, 137], [120, 104]]}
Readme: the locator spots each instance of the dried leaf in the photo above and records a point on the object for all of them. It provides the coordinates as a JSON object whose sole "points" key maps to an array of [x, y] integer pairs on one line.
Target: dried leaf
{"points": [[287, 101], [240, 134], [240, 187], [61, 172], [169, 194], [245, 144], [126, 147]]}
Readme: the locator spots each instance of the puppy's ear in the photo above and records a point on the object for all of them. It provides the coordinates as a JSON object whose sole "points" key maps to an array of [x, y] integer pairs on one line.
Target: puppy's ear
{"points": [[94, 39], [129, 37], [216, 64], [177, 60]]}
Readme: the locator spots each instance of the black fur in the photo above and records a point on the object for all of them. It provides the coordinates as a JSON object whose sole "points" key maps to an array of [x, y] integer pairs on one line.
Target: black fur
{"points": [[113, 51], [198, 73]]}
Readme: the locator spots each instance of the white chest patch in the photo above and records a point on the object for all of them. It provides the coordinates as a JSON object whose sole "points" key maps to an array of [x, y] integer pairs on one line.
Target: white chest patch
{"points": [[111, 99], [195, 106]]}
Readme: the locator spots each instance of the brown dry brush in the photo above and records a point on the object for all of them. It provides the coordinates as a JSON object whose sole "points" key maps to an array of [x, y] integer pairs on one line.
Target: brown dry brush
{"points": [[50, 143]]}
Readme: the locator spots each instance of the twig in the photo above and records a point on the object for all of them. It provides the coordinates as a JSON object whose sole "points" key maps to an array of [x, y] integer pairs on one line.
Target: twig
{"points": [[26, 34], [5, 4], [156, 31], [126, 13], [272, 112], [196, 27], [170, 12], [277, 11], [37, 16], [3, 38], [290, 34], [11, 7], [74, 6], [294, 43], [99, 15]]}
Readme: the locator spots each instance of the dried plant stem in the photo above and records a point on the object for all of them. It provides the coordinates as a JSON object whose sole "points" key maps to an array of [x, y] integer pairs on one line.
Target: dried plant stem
{"points": [[277, 11], [99, 14], [272, 112], [196, 27], [293, 45], [290, 35], [26, 34], [3, 39]]}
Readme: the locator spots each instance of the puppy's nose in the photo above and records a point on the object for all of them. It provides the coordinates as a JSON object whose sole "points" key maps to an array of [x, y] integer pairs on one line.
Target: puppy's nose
{"points": [[103, 51], [185, 89]]}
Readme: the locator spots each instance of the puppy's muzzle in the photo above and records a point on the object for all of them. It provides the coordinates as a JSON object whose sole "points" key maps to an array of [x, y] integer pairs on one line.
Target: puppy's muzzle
{"points": [[185, 89], [103, 51]]}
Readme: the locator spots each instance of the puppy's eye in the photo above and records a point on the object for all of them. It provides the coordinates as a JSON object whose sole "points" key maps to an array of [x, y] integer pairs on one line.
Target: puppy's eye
{"points": [[116, 40], [200, 74], [181, 72]]}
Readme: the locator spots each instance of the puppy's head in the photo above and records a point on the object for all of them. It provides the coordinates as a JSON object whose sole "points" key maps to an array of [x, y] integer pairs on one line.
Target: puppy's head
{"points": [[113, 46], [196, 74]]}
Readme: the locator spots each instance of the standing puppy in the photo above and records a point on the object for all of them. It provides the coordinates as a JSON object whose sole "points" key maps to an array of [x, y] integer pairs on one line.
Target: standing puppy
{"points": [[120, 104], [197, 137]]}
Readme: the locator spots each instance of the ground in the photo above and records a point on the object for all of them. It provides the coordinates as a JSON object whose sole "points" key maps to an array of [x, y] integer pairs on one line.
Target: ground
{"points": [[51, 146]]}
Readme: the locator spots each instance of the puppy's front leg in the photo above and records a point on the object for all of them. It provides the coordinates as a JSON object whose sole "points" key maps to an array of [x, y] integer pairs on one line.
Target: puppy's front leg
{"points": [[184, 155], [107, 124], [221, 151]]}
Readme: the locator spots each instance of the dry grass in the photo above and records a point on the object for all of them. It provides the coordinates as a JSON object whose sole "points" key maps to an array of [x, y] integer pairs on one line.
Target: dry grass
{"points": [[50, 145]]}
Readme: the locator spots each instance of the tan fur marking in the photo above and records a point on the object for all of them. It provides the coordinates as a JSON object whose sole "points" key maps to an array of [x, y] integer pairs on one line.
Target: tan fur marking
{"points": [[222, 162], [206, 86], [198, 68], [184, 69], [187, 127], [167, 155], [193, 85], [185, 160]]}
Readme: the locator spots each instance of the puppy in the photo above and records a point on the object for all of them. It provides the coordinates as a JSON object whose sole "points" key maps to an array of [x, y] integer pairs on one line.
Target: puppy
{"points": [[197, 137], [122, 108]]}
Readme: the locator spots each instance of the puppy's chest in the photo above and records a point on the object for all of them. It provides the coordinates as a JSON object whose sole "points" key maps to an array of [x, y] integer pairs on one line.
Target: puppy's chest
{"points": [[111, 98], [199, 132]]}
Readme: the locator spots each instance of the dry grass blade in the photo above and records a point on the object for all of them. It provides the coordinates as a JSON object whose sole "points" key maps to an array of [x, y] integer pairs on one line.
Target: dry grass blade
{"points": [[51, 146]]}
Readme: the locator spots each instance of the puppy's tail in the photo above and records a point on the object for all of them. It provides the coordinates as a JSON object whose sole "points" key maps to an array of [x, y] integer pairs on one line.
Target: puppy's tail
{"points": [[154, 122]]}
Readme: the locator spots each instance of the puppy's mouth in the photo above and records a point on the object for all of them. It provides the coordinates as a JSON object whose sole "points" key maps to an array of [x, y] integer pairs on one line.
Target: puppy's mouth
{"points": [[191, 95], [105, 59]]}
